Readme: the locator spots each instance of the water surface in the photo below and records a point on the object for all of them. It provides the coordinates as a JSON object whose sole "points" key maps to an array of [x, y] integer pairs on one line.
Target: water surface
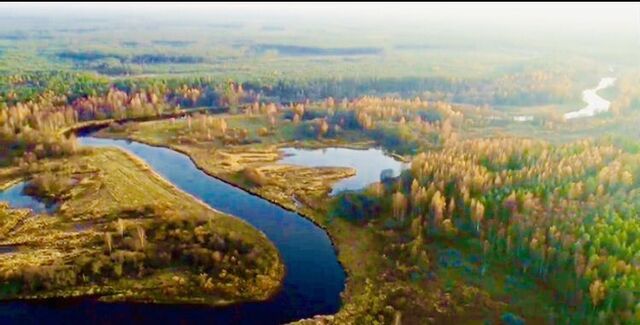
{"points": [[18, 199], [595, 103], [312, 285], [8, 249], [369, 164]]}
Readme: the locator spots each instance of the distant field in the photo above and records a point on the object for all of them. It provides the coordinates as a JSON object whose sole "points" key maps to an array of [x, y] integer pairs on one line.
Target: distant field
{"points": [[243, 50]]}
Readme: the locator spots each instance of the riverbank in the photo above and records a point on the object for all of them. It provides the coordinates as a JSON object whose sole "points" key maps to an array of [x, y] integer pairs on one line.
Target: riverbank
{"points": [[353, 257], [284, 201], [353, 245], [109, 186], [282, 181], [372, 253]]}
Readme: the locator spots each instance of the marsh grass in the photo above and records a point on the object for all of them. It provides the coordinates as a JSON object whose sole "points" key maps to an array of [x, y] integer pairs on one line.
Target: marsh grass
{"points": [[144, 234]]}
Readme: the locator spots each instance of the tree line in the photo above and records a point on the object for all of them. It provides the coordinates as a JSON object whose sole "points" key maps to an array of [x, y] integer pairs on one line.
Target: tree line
{"points": [[565, 214]]}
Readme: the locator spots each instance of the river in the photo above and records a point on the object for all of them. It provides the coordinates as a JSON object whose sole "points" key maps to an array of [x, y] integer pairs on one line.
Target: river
{"points": [[312, 285], [595, 103]]}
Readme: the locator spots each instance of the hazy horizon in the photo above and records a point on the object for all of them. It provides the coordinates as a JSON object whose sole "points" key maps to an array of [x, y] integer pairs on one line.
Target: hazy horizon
{"points": [[614, 15]]}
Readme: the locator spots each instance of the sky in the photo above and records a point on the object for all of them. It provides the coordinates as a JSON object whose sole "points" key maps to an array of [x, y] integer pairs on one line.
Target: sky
{"points": [[511, 13], [530, 17]]}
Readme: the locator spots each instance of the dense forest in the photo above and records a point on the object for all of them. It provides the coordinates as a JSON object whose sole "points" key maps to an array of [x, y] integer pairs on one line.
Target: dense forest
{"points": [[563, 214], [47, 102]]}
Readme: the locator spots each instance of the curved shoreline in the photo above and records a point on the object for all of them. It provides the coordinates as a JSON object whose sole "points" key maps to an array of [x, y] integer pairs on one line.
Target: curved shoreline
{"points": [[276, 290], [9, 184], [592, 99], [87, 131], [87, 128], [253, 193], [89, 125], [116, 297]]}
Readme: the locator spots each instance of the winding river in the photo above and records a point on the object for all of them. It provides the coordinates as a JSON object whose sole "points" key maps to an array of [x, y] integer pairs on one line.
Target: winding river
{"points": [[312, 285], [595, 103]]}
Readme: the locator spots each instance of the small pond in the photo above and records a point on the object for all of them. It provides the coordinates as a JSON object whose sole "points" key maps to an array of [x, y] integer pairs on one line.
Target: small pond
{"points": [[18, 199], [370, 164]]}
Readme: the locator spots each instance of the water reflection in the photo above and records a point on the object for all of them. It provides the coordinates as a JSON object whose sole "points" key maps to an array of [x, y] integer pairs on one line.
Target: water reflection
{"points": [[371, 165], [16, 198]]}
